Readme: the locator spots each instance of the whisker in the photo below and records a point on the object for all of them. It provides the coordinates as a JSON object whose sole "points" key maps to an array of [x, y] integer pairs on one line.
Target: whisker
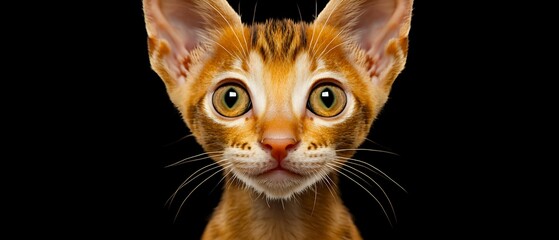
{"points": [[367, 150], [364, 188], [314, 202], [372, 180], [327, 45], [250, 195], [330, 185], [192, 160], [325, 23], [315, 9], [254, 12], [313, 29], [239, 8], [223, 178], [342, 31], [369, 140], [216, 164], [229, 183], [242, 35], [194, 176], [238, 46], [233, 29], [267, 203], [296, 199], [337, 45], [376, 143], [195, 158], [197, 186], [372, 168], [340, 165], [299, 10], [178, 140]]}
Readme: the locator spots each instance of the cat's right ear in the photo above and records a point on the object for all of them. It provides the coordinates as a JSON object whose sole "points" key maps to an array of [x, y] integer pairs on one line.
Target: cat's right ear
{"points": [[176, 27], [381, 29]]}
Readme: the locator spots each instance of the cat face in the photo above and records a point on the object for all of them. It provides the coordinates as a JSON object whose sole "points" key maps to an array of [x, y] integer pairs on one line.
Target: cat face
{"points": [[281, 109], [281, 104]]}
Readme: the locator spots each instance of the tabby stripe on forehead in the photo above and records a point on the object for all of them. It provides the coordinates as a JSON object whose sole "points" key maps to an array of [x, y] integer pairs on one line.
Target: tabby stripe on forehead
{"points": [[279, 39]]}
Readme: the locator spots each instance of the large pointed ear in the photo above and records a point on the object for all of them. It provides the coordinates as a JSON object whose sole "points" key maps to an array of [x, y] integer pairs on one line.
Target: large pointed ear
{"points": [[380, 27], [176, 27]]}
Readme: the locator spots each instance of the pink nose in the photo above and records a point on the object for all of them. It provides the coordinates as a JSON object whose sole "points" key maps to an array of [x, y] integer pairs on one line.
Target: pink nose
{"points": [[279, 146]]}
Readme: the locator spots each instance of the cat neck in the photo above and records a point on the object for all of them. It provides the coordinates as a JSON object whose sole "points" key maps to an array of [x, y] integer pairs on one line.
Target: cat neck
{"points": [[317, 213]]}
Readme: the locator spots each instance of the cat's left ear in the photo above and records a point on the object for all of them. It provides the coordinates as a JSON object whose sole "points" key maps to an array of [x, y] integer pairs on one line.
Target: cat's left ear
{"points": [[176, 27], [380, 27]]}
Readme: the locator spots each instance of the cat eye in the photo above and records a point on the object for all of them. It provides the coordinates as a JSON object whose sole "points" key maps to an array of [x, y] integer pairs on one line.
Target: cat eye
{"points": [[327, 100], [231, 100]]}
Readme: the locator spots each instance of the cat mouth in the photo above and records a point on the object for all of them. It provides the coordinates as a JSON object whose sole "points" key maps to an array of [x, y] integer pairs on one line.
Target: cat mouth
{"points": [[279, 170], [278, 182], [279, 173]]}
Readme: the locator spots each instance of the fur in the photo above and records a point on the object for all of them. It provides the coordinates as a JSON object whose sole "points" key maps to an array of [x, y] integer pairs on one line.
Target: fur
{"points": [[359, 45]]}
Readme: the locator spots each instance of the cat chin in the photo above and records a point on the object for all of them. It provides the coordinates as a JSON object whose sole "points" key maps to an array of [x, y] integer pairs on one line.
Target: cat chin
{"points": [[279, 185]]}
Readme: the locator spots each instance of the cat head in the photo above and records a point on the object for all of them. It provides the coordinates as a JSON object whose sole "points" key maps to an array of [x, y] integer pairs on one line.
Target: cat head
{"points": [[279, 105]]}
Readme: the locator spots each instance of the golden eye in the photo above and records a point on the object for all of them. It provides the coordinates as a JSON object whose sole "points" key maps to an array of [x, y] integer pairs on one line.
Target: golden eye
{"points": [[327, 100], [231, 100]]}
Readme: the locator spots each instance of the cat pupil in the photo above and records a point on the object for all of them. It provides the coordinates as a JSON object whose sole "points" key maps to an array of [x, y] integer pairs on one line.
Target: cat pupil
{"points": [[327, 97], [231, 98]]}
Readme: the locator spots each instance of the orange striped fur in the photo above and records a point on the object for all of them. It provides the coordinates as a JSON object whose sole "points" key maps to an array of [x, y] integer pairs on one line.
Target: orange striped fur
{"points": [[279, 157]]}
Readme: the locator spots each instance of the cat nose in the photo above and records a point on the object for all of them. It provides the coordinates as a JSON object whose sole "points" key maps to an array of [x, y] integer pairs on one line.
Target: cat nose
{"points": [[279, 146]]}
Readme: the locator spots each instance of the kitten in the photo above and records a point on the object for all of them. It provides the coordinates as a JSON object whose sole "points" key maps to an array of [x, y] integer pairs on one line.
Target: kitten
{"points": [[279, 106]]}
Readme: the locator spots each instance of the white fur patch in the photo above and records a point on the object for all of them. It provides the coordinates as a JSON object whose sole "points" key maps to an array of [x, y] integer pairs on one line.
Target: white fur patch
{"points": [[255, 83], [303, 83]]}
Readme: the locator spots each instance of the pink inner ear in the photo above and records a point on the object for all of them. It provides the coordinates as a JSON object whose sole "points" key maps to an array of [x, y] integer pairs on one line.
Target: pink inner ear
{"points": [[176, 21], [185, 22], [382, 22], [372, 24], [177, 27]]}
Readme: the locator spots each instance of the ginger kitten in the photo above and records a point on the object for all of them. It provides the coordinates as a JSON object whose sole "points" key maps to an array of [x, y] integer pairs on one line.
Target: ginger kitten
{"points": [[280, 106]]}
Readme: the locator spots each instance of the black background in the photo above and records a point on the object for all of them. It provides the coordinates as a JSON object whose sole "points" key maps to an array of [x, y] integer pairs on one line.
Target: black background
{"points": [[103, 130]]}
